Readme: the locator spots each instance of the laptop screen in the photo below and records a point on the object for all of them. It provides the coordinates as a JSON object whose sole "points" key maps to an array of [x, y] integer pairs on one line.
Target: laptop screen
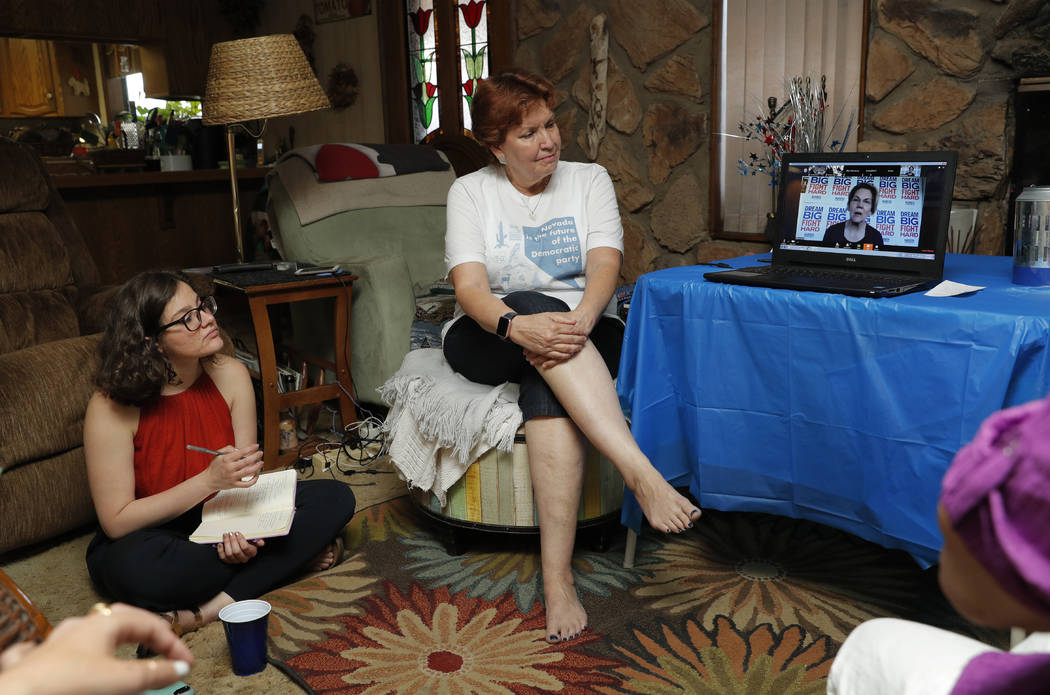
{"points": [[878, 208]]}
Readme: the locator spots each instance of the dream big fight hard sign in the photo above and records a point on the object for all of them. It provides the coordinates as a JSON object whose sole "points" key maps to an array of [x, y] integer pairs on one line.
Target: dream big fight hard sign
{"points": [[898, 215]]}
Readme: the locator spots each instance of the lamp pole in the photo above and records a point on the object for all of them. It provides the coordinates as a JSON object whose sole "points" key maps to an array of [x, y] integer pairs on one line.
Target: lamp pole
{"points": [[238, 238]]}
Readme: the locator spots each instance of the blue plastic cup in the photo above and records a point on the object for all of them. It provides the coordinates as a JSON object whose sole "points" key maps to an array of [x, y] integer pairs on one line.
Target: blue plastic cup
{"points": [[245, 623]]}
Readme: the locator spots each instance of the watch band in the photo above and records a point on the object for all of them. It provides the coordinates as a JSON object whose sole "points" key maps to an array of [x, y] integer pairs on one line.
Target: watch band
{"points": [[503, 325]]}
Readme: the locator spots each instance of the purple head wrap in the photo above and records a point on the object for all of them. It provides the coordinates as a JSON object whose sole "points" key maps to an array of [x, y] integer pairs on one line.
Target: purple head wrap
{"points": [[997, 495]]}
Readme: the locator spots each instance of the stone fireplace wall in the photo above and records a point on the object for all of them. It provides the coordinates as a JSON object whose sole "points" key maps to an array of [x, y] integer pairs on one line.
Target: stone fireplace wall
{"points": [[941, 75], [656, 145]]}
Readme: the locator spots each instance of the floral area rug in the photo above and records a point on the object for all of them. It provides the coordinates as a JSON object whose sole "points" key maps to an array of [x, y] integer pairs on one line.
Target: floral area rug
{"points": [[742, 603]]}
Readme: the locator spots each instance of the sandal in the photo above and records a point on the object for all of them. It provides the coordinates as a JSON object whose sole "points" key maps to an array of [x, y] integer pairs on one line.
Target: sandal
{"points": [[176, 626], [172, 618]]}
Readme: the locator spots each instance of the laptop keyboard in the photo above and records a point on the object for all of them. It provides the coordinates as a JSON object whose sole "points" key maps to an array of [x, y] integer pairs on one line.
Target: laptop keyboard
{"points": [[826, 274]]}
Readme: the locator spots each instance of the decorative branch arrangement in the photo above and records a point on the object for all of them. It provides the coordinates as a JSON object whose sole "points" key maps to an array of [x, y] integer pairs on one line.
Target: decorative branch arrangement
{"points": [[797, 125]]}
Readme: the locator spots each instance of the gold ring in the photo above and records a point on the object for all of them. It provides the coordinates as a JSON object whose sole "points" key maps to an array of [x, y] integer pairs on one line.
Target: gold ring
{"points": [[102, 609]]}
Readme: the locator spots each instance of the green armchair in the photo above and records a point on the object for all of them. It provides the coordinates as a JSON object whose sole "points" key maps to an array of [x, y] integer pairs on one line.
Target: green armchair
{"points": [[388, 231]]}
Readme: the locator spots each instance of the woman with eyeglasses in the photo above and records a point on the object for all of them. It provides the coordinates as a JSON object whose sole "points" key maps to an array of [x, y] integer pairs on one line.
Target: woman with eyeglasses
{"points": [[164, 384]]}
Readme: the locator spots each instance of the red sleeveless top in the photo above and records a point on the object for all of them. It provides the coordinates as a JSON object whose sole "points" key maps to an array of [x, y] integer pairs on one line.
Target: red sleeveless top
{"points": [[199, 415]]}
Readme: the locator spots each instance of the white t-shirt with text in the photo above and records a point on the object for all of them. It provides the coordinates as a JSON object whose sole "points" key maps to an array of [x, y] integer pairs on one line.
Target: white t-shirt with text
{"points": [[533, 242]]}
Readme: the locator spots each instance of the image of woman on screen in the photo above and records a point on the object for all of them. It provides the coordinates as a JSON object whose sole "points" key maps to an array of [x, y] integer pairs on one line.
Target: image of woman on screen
{"points": [[863, 201]]}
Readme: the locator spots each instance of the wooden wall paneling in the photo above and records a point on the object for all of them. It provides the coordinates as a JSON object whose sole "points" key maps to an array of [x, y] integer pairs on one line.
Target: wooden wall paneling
{"points": [[93, 20], [179, 224], [393, 64], [191, 27]]}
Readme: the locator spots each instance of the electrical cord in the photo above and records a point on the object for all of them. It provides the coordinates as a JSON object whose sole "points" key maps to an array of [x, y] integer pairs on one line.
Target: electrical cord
{"points": [[361, 444], [346, 347], [292, 675]]}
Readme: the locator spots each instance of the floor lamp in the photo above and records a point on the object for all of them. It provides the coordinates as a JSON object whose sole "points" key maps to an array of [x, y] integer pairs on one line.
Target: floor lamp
{"points": [[256, 79]]}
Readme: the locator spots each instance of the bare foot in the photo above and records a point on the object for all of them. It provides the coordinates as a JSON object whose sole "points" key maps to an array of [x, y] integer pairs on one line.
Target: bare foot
{"points": [[329, 557], [566, 618], [663, 506]]}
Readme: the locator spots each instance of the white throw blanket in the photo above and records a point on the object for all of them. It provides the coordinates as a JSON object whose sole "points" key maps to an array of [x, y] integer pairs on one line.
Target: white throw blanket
{"points": [[439, 422]]}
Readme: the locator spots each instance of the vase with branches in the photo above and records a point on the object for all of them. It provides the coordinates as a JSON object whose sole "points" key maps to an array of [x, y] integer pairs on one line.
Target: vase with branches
{"points": [[795, 125]]}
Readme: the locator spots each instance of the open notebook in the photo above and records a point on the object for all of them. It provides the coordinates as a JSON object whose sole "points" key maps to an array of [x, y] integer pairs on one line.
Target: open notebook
{"points": [[870, 224]]}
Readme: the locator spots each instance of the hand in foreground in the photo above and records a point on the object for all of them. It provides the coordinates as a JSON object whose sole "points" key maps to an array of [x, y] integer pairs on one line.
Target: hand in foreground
{"points": [[235, 549], [77, 657], [235, 467], [552, 335]]}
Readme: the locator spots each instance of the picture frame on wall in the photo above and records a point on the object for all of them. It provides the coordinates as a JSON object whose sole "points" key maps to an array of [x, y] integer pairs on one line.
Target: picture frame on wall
{"points": [[337, 10]]}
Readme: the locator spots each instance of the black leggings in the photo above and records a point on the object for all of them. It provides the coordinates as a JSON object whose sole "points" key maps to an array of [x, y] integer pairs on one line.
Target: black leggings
{"points": [[161, 570], [483, 358]]}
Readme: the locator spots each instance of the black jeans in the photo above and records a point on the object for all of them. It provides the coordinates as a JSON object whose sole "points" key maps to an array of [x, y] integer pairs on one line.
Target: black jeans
{"points": [[161, 570], [483, 358]]}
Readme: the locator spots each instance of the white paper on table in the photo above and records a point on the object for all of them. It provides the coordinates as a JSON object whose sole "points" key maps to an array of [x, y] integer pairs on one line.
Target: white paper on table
{"points": [[947, 288]]}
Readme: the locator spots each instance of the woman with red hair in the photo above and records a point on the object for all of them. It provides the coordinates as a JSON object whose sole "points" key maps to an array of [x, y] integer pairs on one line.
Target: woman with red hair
{"points": [[534, 247]]}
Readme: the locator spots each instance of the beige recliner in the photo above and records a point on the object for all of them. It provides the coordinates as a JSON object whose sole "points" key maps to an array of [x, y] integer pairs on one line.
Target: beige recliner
{"points": [[51, 309]]}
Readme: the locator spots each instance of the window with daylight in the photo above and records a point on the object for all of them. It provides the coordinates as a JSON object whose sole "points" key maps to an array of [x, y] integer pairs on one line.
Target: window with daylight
{"points": [[433, 53], [760, 45]]}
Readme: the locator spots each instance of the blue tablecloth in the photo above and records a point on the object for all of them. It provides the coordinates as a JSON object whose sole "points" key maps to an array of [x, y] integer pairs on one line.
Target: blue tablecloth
{"points": [[841, 410]]}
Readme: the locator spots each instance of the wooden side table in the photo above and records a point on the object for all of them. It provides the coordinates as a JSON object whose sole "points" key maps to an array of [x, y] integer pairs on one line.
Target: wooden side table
{"points": [[268, 287]]}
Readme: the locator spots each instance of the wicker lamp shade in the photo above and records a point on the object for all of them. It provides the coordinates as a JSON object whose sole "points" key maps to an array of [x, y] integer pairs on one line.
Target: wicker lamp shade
{"points": [[260, 77]]}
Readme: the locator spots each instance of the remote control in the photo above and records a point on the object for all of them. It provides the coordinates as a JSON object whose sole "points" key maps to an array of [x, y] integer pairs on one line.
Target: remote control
{"points": [[240, 267], [320, 270]]}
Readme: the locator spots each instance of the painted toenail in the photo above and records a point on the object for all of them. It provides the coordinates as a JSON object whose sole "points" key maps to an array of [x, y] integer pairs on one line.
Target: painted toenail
{"points": [[667, 530], [553, 638], [690, 525]]}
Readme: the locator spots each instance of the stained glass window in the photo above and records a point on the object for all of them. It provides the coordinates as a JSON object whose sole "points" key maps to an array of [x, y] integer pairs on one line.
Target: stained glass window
{"points": [[467, 55], [422, 62], [473, 50]]}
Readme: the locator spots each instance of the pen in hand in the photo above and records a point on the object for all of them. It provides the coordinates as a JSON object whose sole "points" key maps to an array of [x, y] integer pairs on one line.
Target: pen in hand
{"points": [[204, 450]]}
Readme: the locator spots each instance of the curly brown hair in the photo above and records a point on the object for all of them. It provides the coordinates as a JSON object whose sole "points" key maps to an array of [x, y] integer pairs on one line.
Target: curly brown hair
{"points": [[501, 101], [133, 369]]}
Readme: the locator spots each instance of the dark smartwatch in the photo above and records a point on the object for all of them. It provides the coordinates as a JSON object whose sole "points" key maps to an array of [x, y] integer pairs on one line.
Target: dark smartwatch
{"points": [[503, 326]]}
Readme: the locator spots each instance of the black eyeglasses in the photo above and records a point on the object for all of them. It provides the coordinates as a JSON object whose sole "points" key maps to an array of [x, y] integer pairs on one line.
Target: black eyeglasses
{"points": [[192, 318]]}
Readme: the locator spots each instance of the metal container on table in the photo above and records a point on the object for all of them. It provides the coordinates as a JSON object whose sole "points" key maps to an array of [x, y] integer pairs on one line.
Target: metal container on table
{"points": [[1032, 236]]}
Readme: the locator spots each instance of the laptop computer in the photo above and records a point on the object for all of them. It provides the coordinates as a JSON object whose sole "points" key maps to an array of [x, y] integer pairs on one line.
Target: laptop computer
{"points": [[868, 224]]}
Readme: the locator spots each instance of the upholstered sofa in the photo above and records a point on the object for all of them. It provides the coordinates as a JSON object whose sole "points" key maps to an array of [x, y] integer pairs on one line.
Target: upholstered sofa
{"points": [[51, 309], [389, 231]]}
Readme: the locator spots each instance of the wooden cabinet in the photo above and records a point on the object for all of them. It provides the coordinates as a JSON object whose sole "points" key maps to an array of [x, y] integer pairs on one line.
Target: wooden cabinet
{"points": [[28, 78]]}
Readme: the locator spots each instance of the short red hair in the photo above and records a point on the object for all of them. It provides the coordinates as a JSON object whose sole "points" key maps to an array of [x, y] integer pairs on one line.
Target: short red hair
{"points": [[501, 101]]}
